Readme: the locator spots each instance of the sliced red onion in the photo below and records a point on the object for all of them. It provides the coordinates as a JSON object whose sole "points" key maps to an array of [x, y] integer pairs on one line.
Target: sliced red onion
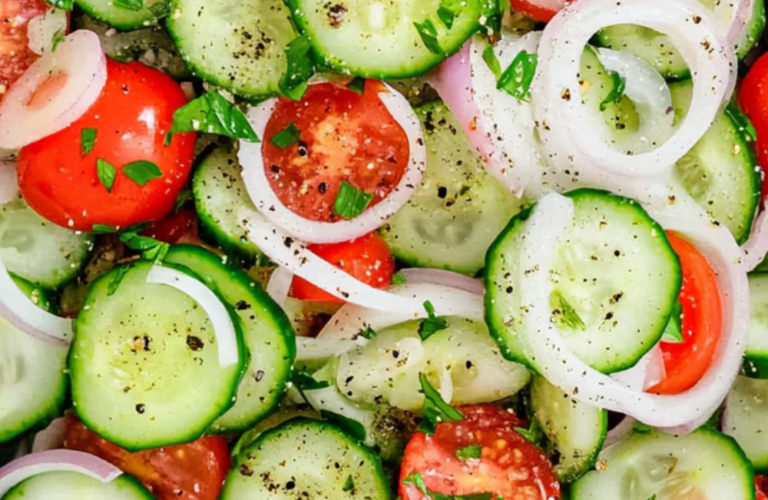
{"points": [[56, 461], [50, 438], [292, 254], [618, 433], [732, 17], [9, 185], [54, 92], [25, 315], [279, 284], [267, 202], [647, 372], [756, 246], [547, 349], [223, 327], [416, 275], [566, 126], [41, 30], [308, 348]]}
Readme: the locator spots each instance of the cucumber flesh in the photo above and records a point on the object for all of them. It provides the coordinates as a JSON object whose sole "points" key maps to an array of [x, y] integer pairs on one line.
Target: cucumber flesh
{"points": [[616, 280], [746, 419], [125, 19], [756, 353], [74, 485], [704, 464], [458, 209]]}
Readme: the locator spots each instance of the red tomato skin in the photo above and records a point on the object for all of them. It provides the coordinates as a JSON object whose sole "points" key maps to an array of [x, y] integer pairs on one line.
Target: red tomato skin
{"points": [[177, 228], [193, 471], [509, 466], [132, 116], [753, 100], [15, 54], [367, 258], [761, 487], [686, 363], [533, 11]]}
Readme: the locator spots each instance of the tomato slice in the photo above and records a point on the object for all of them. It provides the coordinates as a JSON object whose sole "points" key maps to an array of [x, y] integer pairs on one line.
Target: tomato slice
{"points": [[509, 465], [179, 227], [15, 54], [343, 136], [534, 10], [367, 258], [194, 471], [753, 100], [761, 487], [702, 318]]}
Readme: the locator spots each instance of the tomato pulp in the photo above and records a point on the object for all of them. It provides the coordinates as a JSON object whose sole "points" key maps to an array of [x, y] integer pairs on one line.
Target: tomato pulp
{"points": [[61, 181], [509, 466], [685, 363], [342, 136], [193, 471], [15, 54], [753, 100]]}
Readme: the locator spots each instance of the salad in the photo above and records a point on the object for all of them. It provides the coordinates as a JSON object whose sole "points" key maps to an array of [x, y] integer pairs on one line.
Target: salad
{"points": [[355, 249]]}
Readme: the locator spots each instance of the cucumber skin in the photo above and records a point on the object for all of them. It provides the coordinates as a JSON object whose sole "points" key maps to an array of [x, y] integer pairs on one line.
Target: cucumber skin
{"points": [[114, 21]]}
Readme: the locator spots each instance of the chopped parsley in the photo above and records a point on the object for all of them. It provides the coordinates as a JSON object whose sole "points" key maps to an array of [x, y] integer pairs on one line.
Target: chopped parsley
{"points": [[134, 5], [289, 136], [564, 314], [150, 248], [617, 90], [212, 114], [432, 324], [428, 34], [448, 11], [117, 275], [516, 79], [141, 172], [62, 4], [103, 229], [435, 410], [58, 37], [87, 140], [106, 173], [471, 451], [349, 484], [416, 480], [673, 333], [398, 279], [301, 67], [490, 59], [357, 85], [350, 201]]}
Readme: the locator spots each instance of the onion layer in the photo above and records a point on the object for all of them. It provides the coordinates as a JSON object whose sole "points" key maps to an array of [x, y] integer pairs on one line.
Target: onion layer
{"points": [[41, 30], [267, 202], [9, 185], [756, 246], [223, 326], [54, 92]]}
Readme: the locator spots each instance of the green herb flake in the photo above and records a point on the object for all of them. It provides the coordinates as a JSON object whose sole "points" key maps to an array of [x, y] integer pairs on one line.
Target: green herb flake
{"points": [[742, 122], [416, 480], [653, 497], [673, 332], [435, 410], [62, 4], [58, 37], [493, 14], [349, 484], [471, 451], [516, 79], [106, 173], [399, 279], [289, 136], [160, 8], [432, 324], [117, 277], [87, 140], [150, 248], [533, 433], [212, 114], [617, 90], [448, 11], [142, 172], [564, 314], [428, 34], [493, 63], [350, 201], [134, 5], [357, 85], [103, 229], [304, 381], [301, 67], [368, 333]]}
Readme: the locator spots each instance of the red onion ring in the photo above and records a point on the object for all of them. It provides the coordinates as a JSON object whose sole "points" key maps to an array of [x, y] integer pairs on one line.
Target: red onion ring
{"points": [[756, 246], [267, 202], [50, 438], [9, 185], [78, 66], [56, 461], [41, 29], [443, 278]]}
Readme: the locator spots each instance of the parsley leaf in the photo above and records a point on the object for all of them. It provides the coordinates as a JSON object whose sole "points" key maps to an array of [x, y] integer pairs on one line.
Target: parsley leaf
{"points": [[428, 34], [151, 249], [349, 484], [398, 279], [435, 409], [652, 497], [213, 114], [673, 333], [357, 85], [493, 14], [106, 173], [516, 79], [617, 90], [368, 333], [350, 201], [117, 277], [471, 451], [103, 229], [62, 4], [490, 59], [448, 11], [134, 5], [87, 140], [58, 37], [289, 136], [741, 121], [432, 324], [564, 314], [304, 381], [301, 67], [416, 480], [142, 172], [533, 433]]}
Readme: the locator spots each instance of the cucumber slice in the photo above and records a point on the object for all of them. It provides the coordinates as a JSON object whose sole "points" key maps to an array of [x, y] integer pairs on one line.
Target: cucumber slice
{"points": [[305, 458], [721, 171], [235, 44], [616, 281], [74, 485], [39, 251], [463, 357], [459, 208], [381, 39], [32, 375], [746, 419], [575, 431], [702, 465], [144, 365], [122, 18], [266, 331], [219, 193], [756, 354]]}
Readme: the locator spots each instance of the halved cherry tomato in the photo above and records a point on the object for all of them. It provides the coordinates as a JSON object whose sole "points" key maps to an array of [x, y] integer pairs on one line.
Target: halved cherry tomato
{"points": [[685, 363], [753, 100], [179, 227], [15, 55], [194, 471], [131, 117], [509, 465], [540, 10], [366, 258], [343, 136], [761, 487]]}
